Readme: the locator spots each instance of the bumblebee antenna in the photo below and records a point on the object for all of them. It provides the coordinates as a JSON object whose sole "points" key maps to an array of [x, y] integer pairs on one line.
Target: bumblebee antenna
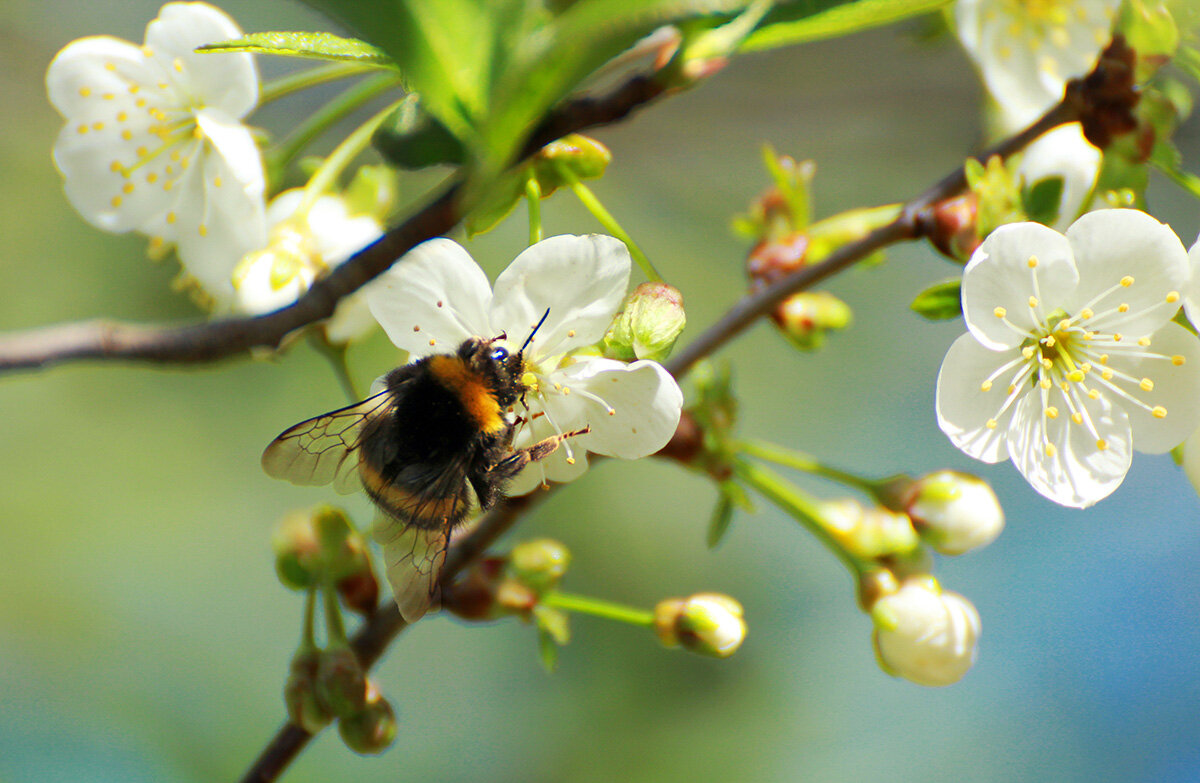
{"points": [[529, 339]]}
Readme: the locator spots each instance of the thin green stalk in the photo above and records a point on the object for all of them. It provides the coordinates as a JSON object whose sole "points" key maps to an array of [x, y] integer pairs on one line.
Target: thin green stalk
{"points": [[593, 205], [309, 77], [328, 116], [336, 356], [596, 607], [533, 197], [335, 630], [800, 460], [798, 504], [341, 157], [308, 639]]}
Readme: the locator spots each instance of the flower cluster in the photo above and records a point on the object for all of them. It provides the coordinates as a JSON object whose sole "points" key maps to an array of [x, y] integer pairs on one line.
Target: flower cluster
{"points": [[154, 143]]}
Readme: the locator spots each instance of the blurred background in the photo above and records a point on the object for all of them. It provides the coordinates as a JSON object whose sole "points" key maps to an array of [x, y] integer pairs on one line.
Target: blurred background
{"points": [[144, 637]]}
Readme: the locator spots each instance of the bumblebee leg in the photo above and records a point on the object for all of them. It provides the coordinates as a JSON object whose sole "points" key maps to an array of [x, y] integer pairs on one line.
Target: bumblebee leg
{"points": [[511, 466]]}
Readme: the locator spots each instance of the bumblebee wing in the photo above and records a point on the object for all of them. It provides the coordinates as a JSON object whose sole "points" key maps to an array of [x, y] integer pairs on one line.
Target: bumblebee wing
{"points": [[413, 558], [322, 449]]}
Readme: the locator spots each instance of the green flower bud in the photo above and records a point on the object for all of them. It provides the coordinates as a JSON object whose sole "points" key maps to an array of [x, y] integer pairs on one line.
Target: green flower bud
{"points": [[569, 159], [539, 564], [300, 694], [868, 532], [955, 512], [371, 729], [341, 683], [343, 548], [648, 324], [806, 317], [705, 623], [297, 552]]}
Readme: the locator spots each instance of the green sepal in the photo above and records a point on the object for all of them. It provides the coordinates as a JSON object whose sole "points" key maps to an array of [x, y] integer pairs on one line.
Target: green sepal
{"points": [[940, 301], [411, 138], [732, 496], [315, 46], [1042, 199]]}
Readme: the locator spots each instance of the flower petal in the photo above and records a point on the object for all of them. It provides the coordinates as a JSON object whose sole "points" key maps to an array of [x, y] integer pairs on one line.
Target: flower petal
{"points": [[964, 409], [582, 281], [223, 80], [1063, 152], [1024, 268], [1111, 244], [1077, 473], [645, 403], [1176, 389], [435, 292]]}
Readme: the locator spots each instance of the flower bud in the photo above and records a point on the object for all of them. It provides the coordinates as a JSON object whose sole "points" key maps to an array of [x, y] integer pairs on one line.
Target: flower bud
{"points": [[360, 591], [805, 318], [343, 548], [297, 552], [924, 634], [341, 683], [648, 324], [539, 564], [473, 597], [955, 512], [300, 693], [868, 532], [580, 156], [705, 623], [371, 729], [952, 226]]}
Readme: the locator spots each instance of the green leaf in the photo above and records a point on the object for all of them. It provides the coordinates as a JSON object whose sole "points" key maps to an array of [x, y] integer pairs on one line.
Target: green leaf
{"points": [[812, 20], [547, 651], [1041, 201], [940, 301], [721, 517], [412, 139], [319, 46]]}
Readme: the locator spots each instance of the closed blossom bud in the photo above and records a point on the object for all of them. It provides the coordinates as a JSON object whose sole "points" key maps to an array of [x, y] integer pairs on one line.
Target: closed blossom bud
{"points": [[540, 563], [955, 512], [300, 693], [705, 623], [805, 318], [924, 634], [952, 226], [343, 548], [371, 729], [360, 591], [648, 324], [297, 551], [868, 532], [473, 597], [578, 156], [341, 682]]}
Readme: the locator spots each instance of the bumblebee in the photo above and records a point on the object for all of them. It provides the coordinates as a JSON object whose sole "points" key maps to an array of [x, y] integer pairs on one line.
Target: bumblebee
{"points": [[431, 448]]}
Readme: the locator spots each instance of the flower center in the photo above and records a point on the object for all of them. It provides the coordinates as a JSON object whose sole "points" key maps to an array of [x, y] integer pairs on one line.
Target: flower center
{"points": [[1070, 359]]}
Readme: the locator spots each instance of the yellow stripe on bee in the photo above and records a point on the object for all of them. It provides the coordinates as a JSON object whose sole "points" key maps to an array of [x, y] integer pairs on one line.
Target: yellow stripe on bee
{"points": [[414, 507], [473, 391]]}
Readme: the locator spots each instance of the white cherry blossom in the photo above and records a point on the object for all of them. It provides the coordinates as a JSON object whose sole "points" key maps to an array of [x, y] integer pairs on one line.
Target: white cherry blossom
{"points": [[302, 248], [1071, 360], [436, 296], [153, 140]]}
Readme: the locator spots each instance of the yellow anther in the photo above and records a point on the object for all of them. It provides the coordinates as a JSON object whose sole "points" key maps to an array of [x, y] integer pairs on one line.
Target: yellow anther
{"points": [[1051, 412], [85, 92], [1127, 281], [432, 341], [1045, 383], [1027, 352], [1146, 385], [991, 424], [97, 126], [1047, 363], [1123, 308], [1104, 358], [1077, 417], [122, 116], [168, 184], [1086, 367], [985, 386], [108, 96], [127, 135], [1000, 312], [152, 177], [1093, 394], [1010, 389], [146, 50], [128, 187], [570, 333], [1033, 262], [1172, 297], [1144, 342], [116, 201], [1177, 360], [133, 89], [1033, 302], [1106, 374], [1086, 313], [1159, 412], [1117, 337], [1050, 450], [570, 460], [110, 66], [1075, 376], [1048, 341], [612, 411], [1102, 444], [115, 166], [177, 64], [1065, 387], [216, 182], [171, 217], [203, 230], [83, 129], [141, 152]]}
